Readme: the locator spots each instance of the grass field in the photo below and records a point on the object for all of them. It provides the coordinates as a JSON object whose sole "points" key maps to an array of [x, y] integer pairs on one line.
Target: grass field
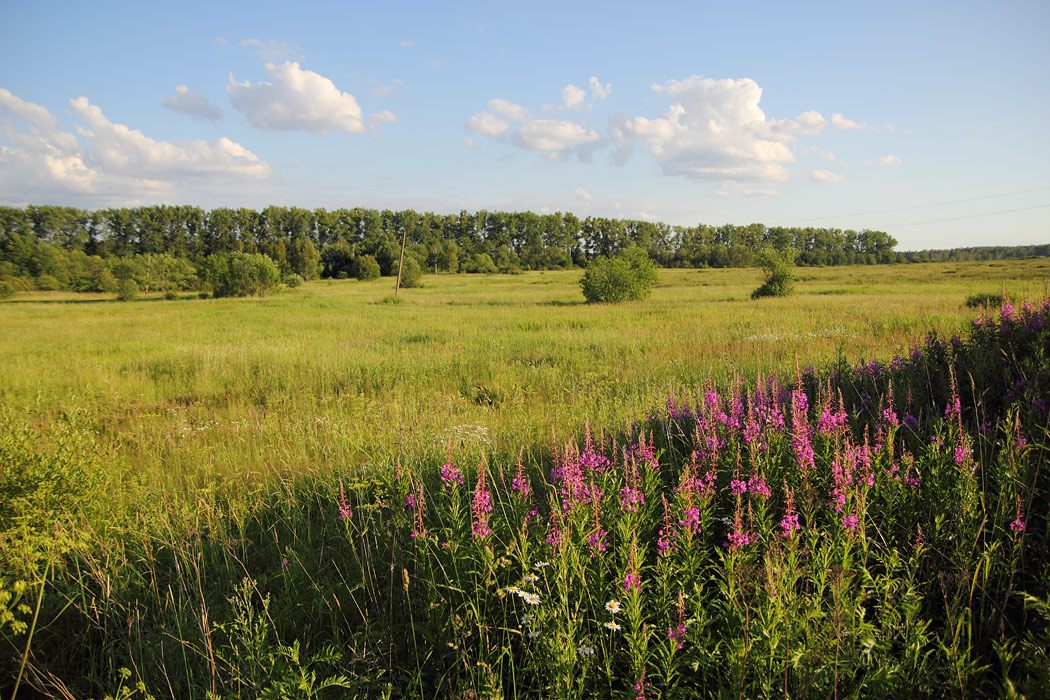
{"points": [[482, 490], [330, 376]]}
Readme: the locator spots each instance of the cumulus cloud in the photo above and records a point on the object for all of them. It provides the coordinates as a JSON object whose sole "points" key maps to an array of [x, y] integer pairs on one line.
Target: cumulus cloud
{"points": [[884, 161], [826, 176], [574, 97], [109, 160], [827, 156], [599, 91], [552, 137], [714, 130], [295, 99], [841, 123], [186, 101], [583, 194]]}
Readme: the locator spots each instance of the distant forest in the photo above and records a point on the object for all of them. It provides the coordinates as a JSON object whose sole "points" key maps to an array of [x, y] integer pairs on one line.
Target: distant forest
{"points": [[67, 248]]}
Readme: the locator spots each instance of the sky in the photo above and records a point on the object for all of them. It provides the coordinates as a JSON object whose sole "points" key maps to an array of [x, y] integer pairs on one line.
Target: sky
{"points": [[926, 120]]}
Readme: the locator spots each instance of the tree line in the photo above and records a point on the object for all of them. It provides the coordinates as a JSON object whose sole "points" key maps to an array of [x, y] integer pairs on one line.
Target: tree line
{"points": [[70, 248]]}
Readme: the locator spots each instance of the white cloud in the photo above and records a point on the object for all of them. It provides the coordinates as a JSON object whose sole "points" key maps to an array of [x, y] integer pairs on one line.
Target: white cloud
{"points": [[714, 130], [552, 137], [296, 99], [405, 43], [583, 194], [827, 156], [574, 97], [487, 124], [469, 142], [599, 91], [842, 124], [826, 176], [885, 161], [509, 109], [110, 162], [186, 101]]}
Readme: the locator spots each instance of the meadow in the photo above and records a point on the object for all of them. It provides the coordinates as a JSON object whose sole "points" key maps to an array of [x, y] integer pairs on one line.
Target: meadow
{"points": [[491, 489]]}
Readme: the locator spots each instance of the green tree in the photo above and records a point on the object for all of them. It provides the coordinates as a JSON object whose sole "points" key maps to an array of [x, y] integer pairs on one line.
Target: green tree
{"points": [[411, 272], [778, 269], [628, 276], [366, 268], [241, 274]]}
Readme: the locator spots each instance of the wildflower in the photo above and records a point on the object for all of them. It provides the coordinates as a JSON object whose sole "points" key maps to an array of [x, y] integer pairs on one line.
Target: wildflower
{"points": [[738, 487], [1017, 526], [512, 590], [613, 626], [541, 564], [531, 598], [632, 582], [757, 484], [851, 522], [613, 607], [527, 619], [676, 634], [597, 539], [585, 650], [450, 475], [344, 506], [481, 508], [531, 578], [737, 539], [533, 634], [789, 525], [285, 564]]}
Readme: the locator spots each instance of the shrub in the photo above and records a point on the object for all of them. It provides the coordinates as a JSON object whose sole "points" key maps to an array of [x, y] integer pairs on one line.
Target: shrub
{"points": [[127, 290], [366, 267], [241, 274], [48, 283], [411, 272], [6, 290], [779, 272], [627, 277], [292, 280], [171, 294], [481, 264], [979, 300]]}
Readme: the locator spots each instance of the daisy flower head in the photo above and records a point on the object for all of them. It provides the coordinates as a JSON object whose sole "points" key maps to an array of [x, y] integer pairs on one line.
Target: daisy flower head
{"points": [[541, 564], [512, 590], [613, 606], [527, 619], [613, 626], [585, 650], [531, 598], [532, 578]]}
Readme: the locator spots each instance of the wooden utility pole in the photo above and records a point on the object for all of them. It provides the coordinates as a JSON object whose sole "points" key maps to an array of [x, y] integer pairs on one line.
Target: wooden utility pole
{"points": [[400, 263]]}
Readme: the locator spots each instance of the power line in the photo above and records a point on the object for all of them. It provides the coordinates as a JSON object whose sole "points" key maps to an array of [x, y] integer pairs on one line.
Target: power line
{"points": [[917, 206], [969, 216]]}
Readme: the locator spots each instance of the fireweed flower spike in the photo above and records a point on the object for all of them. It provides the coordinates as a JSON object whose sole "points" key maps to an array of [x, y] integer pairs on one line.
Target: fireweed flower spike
{"points": [[344, 506], [481, 507]]}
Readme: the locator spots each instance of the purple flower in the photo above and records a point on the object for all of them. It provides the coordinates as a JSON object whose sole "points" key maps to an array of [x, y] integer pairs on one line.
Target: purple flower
{"points": [[851, 522], [450, 475], [481, 507], [789, 525], [738, 487], [344, 506], [632, 582]]}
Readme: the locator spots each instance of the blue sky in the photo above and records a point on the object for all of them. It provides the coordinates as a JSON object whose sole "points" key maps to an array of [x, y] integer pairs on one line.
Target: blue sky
{"points": [[925, 120]]}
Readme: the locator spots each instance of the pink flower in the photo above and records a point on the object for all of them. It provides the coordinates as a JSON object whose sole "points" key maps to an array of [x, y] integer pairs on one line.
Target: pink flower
{"points": [[851, 522], [632, 582], [481, 508], [450, 475]]}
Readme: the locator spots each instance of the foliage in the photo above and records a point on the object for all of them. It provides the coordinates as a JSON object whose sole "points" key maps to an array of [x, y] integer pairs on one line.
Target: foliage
{"points": [[411, 272], [7, 290], [127, 290], [366, 268], [778, 274], [292, 280], [975, 301], [241, 274], [626, 277], [481, 264]]}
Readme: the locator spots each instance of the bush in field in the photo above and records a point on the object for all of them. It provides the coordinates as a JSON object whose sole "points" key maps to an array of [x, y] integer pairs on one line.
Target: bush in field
{"points": [[366, 267], [48, 283], [627, 277], [411, 272], [779, 272], [127, 290], [240, 274], [292, 280], [976, 301], [7, 290], [480, 264]]}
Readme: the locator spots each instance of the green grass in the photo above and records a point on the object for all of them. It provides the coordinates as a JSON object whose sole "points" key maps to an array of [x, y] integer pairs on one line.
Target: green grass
{"points": [[330, 377]]}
